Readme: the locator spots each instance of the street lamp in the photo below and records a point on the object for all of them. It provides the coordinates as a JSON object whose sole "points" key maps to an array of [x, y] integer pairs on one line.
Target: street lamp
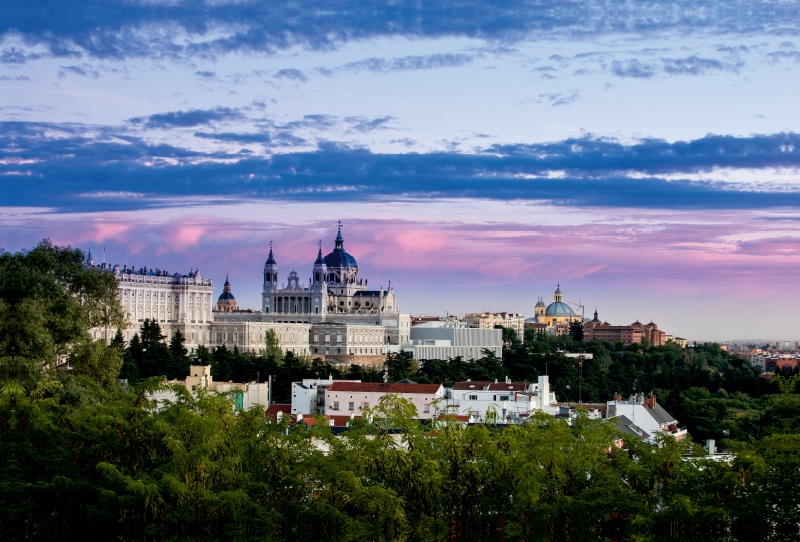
{"points": [[580, 306]]}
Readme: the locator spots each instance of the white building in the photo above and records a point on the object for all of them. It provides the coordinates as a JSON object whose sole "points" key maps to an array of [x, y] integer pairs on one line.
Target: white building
{"points": [[177, 302], [510, 402], [345, 398], [444, 340], [644, 417], [245, 395], [308, 395]]}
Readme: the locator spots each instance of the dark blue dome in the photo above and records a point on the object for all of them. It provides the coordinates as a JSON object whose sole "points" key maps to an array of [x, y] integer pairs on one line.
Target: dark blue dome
{"points": [[226, 295], [339, 258]]}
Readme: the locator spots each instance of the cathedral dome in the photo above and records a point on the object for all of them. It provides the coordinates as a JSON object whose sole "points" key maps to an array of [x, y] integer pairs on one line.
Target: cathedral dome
{"points": [[339, 258], [226, 301], [559, 309]]}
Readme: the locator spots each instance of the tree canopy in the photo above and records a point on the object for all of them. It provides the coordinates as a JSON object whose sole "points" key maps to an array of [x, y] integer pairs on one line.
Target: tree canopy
{"points": [[82, 458]]}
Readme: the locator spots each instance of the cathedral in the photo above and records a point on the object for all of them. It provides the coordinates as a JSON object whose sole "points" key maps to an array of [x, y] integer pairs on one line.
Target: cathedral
{"points": [[333, 316], [554, 314], [333, 290]]}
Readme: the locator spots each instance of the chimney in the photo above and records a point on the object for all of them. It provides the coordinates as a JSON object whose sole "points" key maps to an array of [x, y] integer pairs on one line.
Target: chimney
{"points": [[651, 401], [617, 397], [495, 381], [299, 417]]}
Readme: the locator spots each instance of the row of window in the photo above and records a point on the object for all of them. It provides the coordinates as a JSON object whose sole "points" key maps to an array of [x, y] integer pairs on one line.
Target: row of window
{"points": [[351, 406]]}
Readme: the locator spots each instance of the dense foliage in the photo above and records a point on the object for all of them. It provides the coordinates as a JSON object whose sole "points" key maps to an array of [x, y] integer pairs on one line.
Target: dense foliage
{"points": [[83, 458]]}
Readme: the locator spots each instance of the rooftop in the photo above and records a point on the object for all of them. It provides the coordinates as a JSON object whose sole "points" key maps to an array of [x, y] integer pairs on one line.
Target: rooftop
{"points": [[368, 387]]}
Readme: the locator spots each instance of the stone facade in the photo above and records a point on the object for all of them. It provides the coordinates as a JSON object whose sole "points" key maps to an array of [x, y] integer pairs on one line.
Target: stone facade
{"points": [[632, 334], [494, 319], [334, 295], [349, 343]]}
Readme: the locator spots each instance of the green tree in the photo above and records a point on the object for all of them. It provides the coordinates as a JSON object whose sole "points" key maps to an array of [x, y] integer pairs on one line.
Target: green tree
{"points": [[179, 360]]}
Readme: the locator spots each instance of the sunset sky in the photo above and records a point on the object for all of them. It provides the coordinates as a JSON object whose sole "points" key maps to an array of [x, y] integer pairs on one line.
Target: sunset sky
{"points": [[642, 154]]}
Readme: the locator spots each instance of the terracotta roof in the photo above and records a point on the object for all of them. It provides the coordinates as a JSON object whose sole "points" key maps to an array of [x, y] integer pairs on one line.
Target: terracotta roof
{"points": [[453, 417], [491, 386], [338, 421], [272, 410], [429, 389]]}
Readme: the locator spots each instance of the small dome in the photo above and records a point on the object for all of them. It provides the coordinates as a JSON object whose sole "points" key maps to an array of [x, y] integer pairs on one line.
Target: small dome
{"points": [[540, 303], [559, 309], [225, 296]]}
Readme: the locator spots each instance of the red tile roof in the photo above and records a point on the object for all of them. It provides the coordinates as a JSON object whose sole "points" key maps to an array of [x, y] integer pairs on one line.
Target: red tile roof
{"points": [[272, 410], [367, 387], [492, 386], [338, 421]]}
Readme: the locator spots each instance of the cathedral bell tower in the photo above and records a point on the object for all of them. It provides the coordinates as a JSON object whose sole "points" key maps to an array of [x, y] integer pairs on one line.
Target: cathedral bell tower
{"points": [[270, 282], [319, 285]]}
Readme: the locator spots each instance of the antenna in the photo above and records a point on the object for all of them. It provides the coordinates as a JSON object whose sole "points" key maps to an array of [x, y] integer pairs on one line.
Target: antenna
{"points": [[104, 254]]}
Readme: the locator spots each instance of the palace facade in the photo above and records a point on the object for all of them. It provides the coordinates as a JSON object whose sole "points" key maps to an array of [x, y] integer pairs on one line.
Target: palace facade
{"points": [[334, 316]]}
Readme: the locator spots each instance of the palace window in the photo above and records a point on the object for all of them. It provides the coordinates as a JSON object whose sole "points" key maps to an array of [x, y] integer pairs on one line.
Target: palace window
{"points": [[351, 406], [426, 408]]}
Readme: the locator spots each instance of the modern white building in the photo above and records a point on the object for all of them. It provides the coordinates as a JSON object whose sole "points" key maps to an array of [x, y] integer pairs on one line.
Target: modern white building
{"points": [[308, 395], [445, 340], [345, 398], [503, 402]]}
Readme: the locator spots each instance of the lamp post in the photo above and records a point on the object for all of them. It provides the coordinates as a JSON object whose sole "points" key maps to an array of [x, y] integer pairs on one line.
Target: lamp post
{"points": [[580, 355]]}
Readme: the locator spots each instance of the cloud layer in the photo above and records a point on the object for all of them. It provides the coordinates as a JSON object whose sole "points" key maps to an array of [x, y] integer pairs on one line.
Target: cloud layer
{"points": [[109, 29], [62, 165]]}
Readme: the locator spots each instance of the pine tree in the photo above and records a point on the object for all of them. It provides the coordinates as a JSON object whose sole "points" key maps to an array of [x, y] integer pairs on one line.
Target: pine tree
{"points": [[131, 359], [179, 360]]}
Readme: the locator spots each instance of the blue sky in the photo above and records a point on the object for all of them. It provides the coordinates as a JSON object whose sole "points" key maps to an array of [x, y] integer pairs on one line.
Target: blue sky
{"points": [[642, 154]]}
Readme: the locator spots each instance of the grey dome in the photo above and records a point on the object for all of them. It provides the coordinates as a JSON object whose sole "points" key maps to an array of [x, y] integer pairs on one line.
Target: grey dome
{"points": [[559, 309]]}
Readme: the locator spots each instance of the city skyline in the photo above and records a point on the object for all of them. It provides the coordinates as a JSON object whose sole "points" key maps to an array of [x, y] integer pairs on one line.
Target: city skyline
{"points": [[644, 155]]}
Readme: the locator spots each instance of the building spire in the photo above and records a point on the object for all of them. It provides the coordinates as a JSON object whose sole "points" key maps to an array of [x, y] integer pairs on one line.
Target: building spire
{"points": [[339, 238], [319, 261], [271, 259]]}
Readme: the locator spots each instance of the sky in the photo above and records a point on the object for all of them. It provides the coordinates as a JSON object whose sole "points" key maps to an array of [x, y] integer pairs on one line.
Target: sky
{"points": [[643, 155]]}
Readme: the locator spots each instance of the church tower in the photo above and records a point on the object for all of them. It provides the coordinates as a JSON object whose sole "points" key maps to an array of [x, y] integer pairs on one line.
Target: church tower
{"points": [[319, 284], [270, 283], [557, 297], [540, 308]]}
